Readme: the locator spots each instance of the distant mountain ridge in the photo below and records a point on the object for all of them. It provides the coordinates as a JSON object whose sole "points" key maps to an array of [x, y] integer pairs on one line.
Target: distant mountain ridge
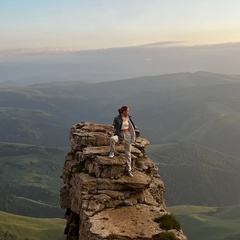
{"points": [[28, 67], [197, 107]]}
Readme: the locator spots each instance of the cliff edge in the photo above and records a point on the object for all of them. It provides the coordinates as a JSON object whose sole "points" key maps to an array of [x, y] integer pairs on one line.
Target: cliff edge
{"points": [[101, 201]]}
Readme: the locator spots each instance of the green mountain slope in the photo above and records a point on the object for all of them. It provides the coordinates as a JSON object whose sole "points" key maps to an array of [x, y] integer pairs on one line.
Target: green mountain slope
{"points": [[29, 179], [192, 174], [17, 227], [200, 223], [196, 107], [197, 175]]}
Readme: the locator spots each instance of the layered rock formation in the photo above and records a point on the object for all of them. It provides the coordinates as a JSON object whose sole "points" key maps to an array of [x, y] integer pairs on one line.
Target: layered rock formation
{"points": [[101, 201]]}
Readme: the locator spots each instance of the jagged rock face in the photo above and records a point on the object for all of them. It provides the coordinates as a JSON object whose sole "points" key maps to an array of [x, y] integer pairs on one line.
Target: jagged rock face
{"points": [[103, 202]]}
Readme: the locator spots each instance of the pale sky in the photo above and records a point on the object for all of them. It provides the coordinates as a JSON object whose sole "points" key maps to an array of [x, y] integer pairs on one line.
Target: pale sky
{"points": [[93, 24]]}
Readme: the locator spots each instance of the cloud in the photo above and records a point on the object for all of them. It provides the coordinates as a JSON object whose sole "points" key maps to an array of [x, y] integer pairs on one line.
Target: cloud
{"points": [[164, 44]]}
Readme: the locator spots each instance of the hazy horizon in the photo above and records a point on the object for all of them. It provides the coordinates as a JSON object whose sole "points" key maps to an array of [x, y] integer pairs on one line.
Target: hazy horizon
{"points": [[118, 63], [111, 40]]}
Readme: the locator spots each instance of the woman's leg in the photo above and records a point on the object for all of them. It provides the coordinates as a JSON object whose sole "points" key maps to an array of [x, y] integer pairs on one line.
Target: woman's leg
{"points": [[127, 150], [113, 141]]}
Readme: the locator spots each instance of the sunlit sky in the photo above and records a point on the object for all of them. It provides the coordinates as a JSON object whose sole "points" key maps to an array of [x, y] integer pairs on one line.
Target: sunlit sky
{"points": [[93, 24]]}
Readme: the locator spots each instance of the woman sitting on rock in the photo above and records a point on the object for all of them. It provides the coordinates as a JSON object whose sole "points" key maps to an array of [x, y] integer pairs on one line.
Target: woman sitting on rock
{"points": [[125, 134]]}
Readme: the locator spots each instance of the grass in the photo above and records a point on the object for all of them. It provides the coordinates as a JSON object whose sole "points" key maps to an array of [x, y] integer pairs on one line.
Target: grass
{"points": [[165, 236], [206, 223], [196, 175], [168, 222], [190, 209], [29, 179], [32, 228]]}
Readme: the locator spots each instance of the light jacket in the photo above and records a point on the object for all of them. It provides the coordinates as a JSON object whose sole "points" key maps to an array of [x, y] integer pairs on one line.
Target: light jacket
{"points": [[117, 123]]}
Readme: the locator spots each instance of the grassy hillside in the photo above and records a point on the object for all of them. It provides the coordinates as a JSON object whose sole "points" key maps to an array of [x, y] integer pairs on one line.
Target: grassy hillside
{"points": [[30, 183], [170, 111], [195, 107], [201, 223], [201, 107], [29, 179], [197, 175], [17, 227]]}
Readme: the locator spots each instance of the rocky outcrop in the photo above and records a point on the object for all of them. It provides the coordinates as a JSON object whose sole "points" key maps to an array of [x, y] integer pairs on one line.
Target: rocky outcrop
{"points": [[101, 201]]}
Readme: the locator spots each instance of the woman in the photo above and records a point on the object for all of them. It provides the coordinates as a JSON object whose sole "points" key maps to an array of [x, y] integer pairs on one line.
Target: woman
{"points": [[125, 134]]}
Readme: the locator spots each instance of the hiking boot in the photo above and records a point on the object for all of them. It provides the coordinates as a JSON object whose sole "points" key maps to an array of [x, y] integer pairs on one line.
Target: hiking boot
{"points": [[111, 154], [129, 173]]}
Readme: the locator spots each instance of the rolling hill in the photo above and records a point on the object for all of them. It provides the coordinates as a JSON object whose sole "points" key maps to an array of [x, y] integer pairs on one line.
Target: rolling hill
{"points": [[196, 107], [200, 108], [16, 227], [29, 179], [192, 174], [201, 223], [196, 175]]}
